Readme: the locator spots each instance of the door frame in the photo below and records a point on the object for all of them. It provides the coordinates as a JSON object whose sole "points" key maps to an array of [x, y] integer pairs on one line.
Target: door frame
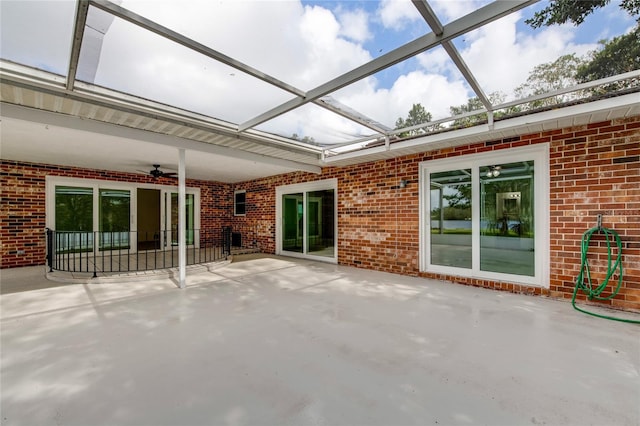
{"points": [[52, 181], [304, 188]]}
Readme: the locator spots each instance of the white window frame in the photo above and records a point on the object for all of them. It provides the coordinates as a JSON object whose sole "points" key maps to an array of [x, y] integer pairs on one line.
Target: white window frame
{"points": [[537, 153], [320, 185], [235, 212], [96, 184]]}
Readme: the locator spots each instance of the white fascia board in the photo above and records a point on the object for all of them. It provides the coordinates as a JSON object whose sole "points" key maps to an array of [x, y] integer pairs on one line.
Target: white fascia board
{"points": [[43, 81], [620, 106]]}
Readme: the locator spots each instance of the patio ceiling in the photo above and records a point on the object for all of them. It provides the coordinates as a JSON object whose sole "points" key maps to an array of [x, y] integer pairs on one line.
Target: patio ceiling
{"points": [[74, 117]]}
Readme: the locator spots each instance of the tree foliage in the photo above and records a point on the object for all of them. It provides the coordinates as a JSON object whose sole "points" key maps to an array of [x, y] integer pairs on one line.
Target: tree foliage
{"points": [[620, 55], [305, 139], [548, 77], [417, 115], [617, 56], [575, 11], [475, 104]]}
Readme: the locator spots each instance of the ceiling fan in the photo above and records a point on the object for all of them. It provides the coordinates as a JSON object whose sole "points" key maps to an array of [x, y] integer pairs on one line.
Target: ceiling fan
{"points": [[156, 172]]}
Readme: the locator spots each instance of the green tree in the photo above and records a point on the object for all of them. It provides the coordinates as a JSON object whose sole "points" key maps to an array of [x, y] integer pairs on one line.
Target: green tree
{"points": [[306, 139], [575, 11], [417, 115], [475, 104], [620, 55], [545, 78]]}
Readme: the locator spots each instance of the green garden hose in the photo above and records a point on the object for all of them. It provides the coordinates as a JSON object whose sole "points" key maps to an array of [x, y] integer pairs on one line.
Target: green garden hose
{"points": [[594, 292]]}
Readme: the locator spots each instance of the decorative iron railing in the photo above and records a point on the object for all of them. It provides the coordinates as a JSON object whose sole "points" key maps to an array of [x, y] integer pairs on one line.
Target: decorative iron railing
{"points": [[131, 251]]}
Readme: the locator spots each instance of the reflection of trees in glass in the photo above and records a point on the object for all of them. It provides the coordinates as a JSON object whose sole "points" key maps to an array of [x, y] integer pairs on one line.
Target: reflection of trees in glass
{"points": [[114, 211], [451, 199], [522, 215], [74, 209], [461, 199], [456, 202]]}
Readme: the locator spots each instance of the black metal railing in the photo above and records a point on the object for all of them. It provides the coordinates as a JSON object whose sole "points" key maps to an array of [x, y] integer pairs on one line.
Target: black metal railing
{"points": [[130, 251]]}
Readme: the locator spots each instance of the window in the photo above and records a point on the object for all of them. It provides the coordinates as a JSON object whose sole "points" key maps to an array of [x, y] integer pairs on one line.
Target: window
{"points": [[487, 215], [239, 203], [74, 219]]}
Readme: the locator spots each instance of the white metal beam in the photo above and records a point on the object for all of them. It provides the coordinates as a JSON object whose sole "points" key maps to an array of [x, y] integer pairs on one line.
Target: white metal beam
{"points": [[82, 9], [162, 31], [436, 26], [165, 32], [48, 83], [475, 19], [182, 218], [615, 107], [336, 107]]}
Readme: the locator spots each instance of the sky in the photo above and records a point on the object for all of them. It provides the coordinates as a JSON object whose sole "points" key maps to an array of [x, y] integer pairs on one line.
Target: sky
{"points": [[303, 43]]}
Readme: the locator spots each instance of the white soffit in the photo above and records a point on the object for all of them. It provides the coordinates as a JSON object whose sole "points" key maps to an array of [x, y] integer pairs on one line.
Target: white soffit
{"points": [[44, 137]]}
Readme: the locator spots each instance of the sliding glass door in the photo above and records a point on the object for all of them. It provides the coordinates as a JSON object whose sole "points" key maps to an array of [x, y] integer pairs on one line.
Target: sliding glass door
{"points": [[172, 215], [320, 223], [292, 225], [101, 215], [307, 225], [487, 215]]}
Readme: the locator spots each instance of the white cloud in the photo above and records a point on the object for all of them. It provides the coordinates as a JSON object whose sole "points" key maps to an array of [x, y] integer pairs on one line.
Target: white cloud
{"points": [[432, 91], [448, 10], [327, 55], [501, 59], [396, 14], [354, 25], [299, 45], [306, 46]]}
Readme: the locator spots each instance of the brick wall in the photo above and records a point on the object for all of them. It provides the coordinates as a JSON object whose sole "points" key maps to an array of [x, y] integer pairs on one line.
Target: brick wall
{"points": [[594, 169], [22, 211]]}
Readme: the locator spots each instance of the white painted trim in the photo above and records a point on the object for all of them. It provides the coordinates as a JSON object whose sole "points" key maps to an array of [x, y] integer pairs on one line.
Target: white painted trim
{"points": [[182, 219], [96, 184], [540, 155], [240, 191], [319, 185]]}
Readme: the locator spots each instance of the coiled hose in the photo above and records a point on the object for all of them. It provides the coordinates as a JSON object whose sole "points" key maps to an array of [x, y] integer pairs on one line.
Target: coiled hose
{"points": [[594, 292]]}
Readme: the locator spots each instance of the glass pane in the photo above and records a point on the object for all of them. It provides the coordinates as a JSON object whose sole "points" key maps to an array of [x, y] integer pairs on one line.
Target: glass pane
{"points": [[121, 56], [74, 219], [190, 219], [507, 218], [451, 218], [37, 33], [115, 207], [292, 232], [320, 223], [239, 205]]}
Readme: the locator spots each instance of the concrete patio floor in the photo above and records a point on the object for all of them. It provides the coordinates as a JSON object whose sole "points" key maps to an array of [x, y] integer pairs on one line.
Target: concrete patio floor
{"points": [[277, 341]]}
